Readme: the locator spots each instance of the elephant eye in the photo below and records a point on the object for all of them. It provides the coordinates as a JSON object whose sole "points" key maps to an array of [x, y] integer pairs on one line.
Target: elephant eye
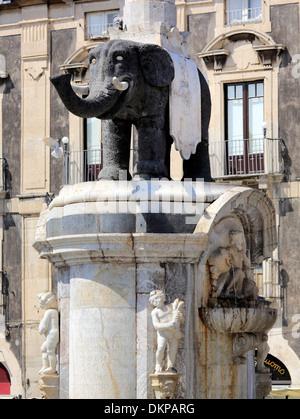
{"points": [[120, 58], [93, 61]]}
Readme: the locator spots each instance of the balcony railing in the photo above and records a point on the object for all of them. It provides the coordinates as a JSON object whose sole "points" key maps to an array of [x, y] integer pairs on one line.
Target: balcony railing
{"points": [[235, 17], [96, 31], [81, 166], [231, 158], [244, 157]]}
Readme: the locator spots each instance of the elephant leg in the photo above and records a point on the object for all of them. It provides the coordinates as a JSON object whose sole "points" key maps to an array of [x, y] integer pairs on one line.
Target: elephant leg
{"points": [[198, 165], [116, 135], [151, 153]]}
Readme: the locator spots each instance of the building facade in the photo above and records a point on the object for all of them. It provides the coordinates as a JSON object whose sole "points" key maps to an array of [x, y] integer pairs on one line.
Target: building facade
{"points": [[36, 38], [249, 53]]}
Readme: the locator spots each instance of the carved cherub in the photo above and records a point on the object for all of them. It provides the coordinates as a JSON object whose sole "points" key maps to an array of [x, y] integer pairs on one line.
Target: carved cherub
{"points": [[230, 269], [166, 319], [49, 326], [225, 279], [241, 263]]}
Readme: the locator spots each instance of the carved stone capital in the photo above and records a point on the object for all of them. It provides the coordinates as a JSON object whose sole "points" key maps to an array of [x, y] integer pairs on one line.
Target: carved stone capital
{"points": [[164, 385]]}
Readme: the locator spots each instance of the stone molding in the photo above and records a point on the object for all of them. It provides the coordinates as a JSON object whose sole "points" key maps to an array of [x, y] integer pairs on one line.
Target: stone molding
{"points": [[139, 191], [121, 247], [215, 53]]}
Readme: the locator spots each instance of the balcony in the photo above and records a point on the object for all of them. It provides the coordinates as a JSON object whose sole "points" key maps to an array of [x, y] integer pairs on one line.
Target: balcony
{"points": [[245, 158], [81, 166], [228, 159], [99, 23], [238, 16], [98, 31]]}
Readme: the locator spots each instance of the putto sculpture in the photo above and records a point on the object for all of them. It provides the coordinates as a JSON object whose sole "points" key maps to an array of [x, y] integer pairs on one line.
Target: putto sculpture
{"points": [[130, 84], [166, 319], [49, 326]]}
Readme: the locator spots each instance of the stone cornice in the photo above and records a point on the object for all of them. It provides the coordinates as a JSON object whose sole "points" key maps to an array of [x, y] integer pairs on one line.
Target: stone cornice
{"points": [[118, 247]]}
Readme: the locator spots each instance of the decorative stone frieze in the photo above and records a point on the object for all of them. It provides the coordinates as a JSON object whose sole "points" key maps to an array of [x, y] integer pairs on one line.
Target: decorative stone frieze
{"points": [[35, 40]]}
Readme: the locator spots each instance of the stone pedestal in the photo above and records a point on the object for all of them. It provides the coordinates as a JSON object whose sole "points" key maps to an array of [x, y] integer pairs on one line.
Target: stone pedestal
{"points": [[113, 243], [143, 13], [49, 386], [111, 251], [263, 384], [153, 22]]}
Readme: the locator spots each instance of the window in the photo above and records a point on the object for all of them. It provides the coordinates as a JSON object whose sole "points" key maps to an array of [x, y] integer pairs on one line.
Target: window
{"points": [[4, 381], [240, 11], [84, 165], [98, 23], [244, 135], [92, 157]]}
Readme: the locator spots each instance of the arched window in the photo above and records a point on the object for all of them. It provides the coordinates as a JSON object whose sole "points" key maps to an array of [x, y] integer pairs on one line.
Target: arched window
{"points": [[279, 372], [4, 381]]}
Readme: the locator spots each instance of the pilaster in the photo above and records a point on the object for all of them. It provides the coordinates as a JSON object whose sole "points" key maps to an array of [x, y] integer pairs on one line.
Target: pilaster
{"points": [[35, 100]]}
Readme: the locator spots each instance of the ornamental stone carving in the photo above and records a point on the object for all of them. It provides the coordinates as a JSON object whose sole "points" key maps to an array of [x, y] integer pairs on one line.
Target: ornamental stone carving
{"points": [[49, 326], [164, 385], [166, 319], [230, 270]]}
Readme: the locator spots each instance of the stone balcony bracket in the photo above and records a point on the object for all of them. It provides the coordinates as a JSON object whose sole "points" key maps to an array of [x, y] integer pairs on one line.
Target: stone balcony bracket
{"points": [[217, 58], [267, 53], [77, 70]]}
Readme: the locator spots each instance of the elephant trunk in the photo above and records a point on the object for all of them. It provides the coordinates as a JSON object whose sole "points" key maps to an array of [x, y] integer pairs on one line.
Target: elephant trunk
{"points": [[95, 105]]}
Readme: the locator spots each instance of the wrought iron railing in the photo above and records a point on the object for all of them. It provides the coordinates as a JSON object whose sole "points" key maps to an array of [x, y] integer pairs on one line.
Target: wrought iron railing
{"points": [[244, 157], [81, 166], [234, 17], [100, 30], [229, 158]]}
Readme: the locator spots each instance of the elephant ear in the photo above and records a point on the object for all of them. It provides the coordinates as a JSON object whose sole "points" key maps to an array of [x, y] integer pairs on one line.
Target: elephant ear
{"points": [[157, 65]]}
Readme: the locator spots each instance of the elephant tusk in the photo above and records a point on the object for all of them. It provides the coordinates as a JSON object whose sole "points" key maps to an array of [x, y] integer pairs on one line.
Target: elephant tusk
{"points": [[120, 85], [81, 90]]}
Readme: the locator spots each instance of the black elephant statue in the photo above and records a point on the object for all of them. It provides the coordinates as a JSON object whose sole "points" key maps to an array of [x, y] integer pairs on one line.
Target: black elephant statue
{"points": [[129, 85]]}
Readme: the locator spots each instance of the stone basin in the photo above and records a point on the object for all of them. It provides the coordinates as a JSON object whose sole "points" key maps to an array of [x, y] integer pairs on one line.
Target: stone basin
{"points": [[238, 319]]}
